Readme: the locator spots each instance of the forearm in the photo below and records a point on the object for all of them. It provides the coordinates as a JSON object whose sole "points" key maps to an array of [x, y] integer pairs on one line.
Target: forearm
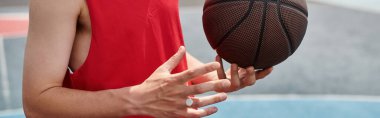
{"points": [[64, 102]]}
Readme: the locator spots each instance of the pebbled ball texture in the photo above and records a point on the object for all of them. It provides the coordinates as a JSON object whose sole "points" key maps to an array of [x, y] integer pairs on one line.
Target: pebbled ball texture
{"points": [[259, 33]]}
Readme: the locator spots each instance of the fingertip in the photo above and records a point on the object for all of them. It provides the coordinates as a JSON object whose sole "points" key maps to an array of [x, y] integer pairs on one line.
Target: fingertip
{"points": [[234, 66], [215, 65], [217, 57], [208, 111], [213, 110], [251, 68], [225, 83], [267, 70], [271, 69], [223, 93], [223, 96], [181, 49]]}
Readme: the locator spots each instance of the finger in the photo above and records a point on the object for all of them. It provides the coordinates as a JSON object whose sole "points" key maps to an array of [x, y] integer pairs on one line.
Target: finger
{"points": [[263, 73], [242, 72], [208, 100], [228, 73], [235, 80], [250, 79], [220, 71], [174, 60], [187, 75], [217, 85], [197, 113]]}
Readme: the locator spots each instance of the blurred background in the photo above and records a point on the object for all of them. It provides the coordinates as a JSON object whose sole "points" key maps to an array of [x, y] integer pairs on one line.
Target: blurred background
{"points": [[335, 73]]}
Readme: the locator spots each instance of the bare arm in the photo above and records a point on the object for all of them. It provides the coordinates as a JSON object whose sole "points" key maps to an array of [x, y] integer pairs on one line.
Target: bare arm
{"points": [[50, 39]]}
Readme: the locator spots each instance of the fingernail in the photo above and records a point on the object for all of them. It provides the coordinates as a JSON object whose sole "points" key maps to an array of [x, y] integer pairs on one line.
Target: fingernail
{"points": [[223, 96], [214, 109]]}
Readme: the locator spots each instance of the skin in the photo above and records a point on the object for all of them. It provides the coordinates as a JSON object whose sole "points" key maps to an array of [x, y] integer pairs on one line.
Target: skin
{"points": [[60, 35]]}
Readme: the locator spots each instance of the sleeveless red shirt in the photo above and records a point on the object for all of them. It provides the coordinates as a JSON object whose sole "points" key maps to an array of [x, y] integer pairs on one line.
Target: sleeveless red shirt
{"points": [[130, 39]]}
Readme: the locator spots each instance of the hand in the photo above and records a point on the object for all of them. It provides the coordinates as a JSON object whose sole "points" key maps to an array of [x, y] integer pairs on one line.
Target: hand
{"points": [[240, 77], [164, 95]]}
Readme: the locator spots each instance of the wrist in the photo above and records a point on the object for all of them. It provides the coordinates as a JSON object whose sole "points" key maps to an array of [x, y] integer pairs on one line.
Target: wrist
{"points": [[128, 101]]}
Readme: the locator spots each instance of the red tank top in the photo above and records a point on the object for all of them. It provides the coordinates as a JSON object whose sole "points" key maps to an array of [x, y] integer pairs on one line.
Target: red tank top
{"points": [[130, 39]]}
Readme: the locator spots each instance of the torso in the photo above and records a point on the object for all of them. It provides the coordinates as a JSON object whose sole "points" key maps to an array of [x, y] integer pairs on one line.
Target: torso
{"points": [[129, 39], [119, 43], [82, 39]]}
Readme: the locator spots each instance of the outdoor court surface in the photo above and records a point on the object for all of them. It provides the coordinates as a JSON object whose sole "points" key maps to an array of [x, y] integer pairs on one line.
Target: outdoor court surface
{"points": [[339, 56], [284, 107]]}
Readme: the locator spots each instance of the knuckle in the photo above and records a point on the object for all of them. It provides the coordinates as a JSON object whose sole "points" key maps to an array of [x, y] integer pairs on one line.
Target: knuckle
{"points": [[181, 79], [167, 80], [185, 92], [197, 89], [181, 104], [191, 73]]}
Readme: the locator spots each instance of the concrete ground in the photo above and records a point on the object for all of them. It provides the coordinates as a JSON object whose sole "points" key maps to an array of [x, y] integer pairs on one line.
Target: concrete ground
{"points": [[339, 54]]}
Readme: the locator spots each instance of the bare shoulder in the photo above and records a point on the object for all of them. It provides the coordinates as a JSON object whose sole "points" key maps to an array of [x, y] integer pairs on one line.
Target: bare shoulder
{"points": [[66, 7]]}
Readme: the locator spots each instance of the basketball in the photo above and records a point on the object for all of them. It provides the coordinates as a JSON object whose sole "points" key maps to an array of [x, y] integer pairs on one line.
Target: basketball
{"points": [[259, 33]]}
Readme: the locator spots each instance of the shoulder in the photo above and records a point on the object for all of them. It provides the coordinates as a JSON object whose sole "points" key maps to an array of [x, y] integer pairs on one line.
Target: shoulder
{"points": [[56, 7]]}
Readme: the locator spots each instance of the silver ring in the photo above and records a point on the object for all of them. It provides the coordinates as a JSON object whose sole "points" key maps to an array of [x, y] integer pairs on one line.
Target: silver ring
{"points": [[189, 102]]}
